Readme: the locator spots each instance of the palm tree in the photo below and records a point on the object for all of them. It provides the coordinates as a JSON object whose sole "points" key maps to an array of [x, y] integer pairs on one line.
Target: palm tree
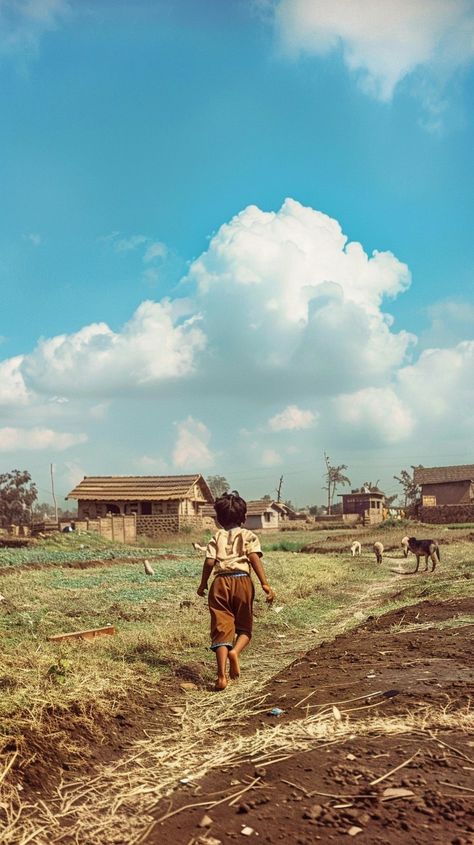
{"points": [[334, 477]]}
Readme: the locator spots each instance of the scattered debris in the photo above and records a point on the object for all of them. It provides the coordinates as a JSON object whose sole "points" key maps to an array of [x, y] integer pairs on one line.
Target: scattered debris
{"points": [[350, 757], [336, 713], [275, 711], [278, 609], [353, 831], [148, 568], [206, 821], [247, 831]]}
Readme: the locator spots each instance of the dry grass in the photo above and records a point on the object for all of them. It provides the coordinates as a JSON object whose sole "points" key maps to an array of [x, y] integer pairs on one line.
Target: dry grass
{"points": [[321, 596], [117, 804]]}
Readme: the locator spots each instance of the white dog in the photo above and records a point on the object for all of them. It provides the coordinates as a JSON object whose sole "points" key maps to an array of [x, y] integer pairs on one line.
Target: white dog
{"points": [[356, 548]]}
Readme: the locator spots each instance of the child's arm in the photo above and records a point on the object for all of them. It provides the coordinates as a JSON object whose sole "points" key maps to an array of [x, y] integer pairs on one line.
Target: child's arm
{"points": [[257, 566], [207, 568]]}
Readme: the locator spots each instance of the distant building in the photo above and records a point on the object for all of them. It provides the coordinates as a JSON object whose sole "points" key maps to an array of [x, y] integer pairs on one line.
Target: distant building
{"points": [[261, 515], [445, 485], [161, 503], [366, 506]]}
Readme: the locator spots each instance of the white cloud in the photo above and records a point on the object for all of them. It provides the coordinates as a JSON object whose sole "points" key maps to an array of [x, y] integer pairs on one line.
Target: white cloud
{"points": [[292, 417], [270, 458], [440, 387], [154, 251], [192, 445], [287, 294], [156, 344], [451, 321], [376, 413], [152, 465], [17, 439], [72, 473], [24, 22], [382, 42], [13, 390], [129, 244]]}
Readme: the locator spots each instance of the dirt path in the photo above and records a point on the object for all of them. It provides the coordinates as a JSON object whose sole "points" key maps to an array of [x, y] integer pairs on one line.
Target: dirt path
{"points": [[221, 743], [394, 667]]}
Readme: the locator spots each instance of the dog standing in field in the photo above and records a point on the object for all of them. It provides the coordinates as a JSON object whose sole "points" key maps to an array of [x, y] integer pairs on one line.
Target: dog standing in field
{"points": [[378, 551], [426, 549], [404, 545], [356, 548]]}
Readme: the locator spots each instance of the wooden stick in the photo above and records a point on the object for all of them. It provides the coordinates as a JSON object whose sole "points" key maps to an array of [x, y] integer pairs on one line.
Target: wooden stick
{"points": [[250, 786], [89, 634], [455, 786], [8, 766], [392, 771], [208, 804], [441, 742]]}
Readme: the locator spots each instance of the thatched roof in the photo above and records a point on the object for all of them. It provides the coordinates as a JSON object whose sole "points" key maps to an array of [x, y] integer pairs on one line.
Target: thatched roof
{"points": [[439, 475], [139, 488]]}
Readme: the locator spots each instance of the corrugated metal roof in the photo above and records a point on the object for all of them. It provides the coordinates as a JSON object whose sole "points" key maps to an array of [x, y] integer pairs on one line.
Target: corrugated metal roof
{"points": [[138, 488], [438, 475]]}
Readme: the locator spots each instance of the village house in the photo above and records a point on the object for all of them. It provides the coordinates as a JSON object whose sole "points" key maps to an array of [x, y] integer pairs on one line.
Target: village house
{"points": [[261, 516], [364, 506], [447, 493], [445, 485], [161, 503]]}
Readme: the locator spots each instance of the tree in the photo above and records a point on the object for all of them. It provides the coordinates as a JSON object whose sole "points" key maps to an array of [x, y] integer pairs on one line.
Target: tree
{"points": [[334, 478], [17, 495], [218, 485], [411, 490]]}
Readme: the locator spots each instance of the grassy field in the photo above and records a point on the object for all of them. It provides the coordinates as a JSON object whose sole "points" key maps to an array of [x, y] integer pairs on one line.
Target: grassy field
{"points": [[162, 625]]}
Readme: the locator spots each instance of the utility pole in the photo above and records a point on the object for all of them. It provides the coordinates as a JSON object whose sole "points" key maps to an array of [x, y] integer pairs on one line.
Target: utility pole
{"points": [[53, 493], [328, 467], [278, 492]]}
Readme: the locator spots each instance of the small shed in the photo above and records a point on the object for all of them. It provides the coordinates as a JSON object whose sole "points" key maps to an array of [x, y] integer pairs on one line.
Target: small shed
{"points": [[161, 503], [452, 485], [261, 515], [365, 506]]}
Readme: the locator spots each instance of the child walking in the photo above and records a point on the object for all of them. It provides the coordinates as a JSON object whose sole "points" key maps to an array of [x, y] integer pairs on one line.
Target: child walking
{"points": [[231, 554]]}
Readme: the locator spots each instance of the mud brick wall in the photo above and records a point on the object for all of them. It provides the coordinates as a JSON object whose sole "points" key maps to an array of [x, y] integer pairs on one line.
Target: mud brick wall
{"points": [[152, 526], [441, 514], [166, 523]]}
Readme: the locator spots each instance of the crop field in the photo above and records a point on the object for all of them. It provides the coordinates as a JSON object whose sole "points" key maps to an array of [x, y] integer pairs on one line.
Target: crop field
{"points": [[73, 711]]}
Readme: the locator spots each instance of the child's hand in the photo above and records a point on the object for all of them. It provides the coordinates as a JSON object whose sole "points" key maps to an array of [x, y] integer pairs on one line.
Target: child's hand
{"points": [[201, 590], [269, 593]]}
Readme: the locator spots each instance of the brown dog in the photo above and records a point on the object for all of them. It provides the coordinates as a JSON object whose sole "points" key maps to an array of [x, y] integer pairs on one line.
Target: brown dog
{"points": [[426, 549]]}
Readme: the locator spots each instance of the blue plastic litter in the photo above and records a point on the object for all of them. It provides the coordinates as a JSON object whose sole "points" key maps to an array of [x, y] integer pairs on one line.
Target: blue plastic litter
{"points": [[276, 711]]}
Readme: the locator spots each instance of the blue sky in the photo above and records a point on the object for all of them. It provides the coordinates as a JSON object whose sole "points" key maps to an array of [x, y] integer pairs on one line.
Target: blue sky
{"points": [[146, 153]]}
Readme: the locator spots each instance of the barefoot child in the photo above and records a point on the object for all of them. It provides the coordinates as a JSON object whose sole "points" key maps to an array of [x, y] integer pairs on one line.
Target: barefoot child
{"points": [[231, 554]]}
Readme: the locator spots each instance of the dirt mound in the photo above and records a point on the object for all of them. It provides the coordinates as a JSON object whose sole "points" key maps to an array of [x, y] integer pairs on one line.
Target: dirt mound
{"points": [[414, 786]]}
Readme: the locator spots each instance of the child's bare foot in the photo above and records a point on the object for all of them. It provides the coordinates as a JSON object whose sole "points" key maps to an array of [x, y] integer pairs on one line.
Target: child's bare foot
{"points": [[234, 665], [220, 684]]}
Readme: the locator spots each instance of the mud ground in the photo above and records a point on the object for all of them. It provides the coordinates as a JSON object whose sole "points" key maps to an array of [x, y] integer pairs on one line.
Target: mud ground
{"points": [[327, 794]]}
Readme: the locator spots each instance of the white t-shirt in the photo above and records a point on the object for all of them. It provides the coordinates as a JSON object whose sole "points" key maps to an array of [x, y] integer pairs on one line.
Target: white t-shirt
{"points": [[230, 549]]}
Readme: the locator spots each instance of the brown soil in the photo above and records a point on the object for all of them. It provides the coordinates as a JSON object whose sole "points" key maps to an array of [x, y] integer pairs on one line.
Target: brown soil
{"points": [[325, 795], [72, 742]]}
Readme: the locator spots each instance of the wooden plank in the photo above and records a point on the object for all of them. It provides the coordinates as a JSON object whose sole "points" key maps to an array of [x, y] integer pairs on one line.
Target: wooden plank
{"points": [[90, 634]]}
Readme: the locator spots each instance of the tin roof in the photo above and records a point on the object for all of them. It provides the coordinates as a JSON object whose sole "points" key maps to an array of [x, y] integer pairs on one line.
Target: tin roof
{"points": [[139, 488]]}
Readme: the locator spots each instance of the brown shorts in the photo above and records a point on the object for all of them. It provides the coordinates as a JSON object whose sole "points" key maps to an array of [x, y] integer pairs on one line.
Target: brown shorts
{"points": [[230, 604]]}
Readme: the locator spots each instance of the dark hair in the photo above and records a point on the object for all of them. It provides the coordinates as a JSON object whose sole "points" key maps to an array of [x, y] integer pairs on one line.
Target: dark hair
{"points": [[230, 509]]}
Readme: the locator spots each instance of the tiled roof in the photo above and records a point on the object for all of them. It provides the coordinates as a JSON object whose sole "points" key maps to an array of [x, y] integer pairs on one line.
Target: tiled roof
{"points": [[438, 475], [256, 508], [138, 488]]}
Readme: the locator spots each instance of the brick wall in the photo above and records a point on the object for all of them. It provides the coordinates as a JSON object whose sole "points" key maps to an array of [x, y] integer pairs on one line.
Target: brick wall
{"points": [[152, 526], [447, 513]]}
